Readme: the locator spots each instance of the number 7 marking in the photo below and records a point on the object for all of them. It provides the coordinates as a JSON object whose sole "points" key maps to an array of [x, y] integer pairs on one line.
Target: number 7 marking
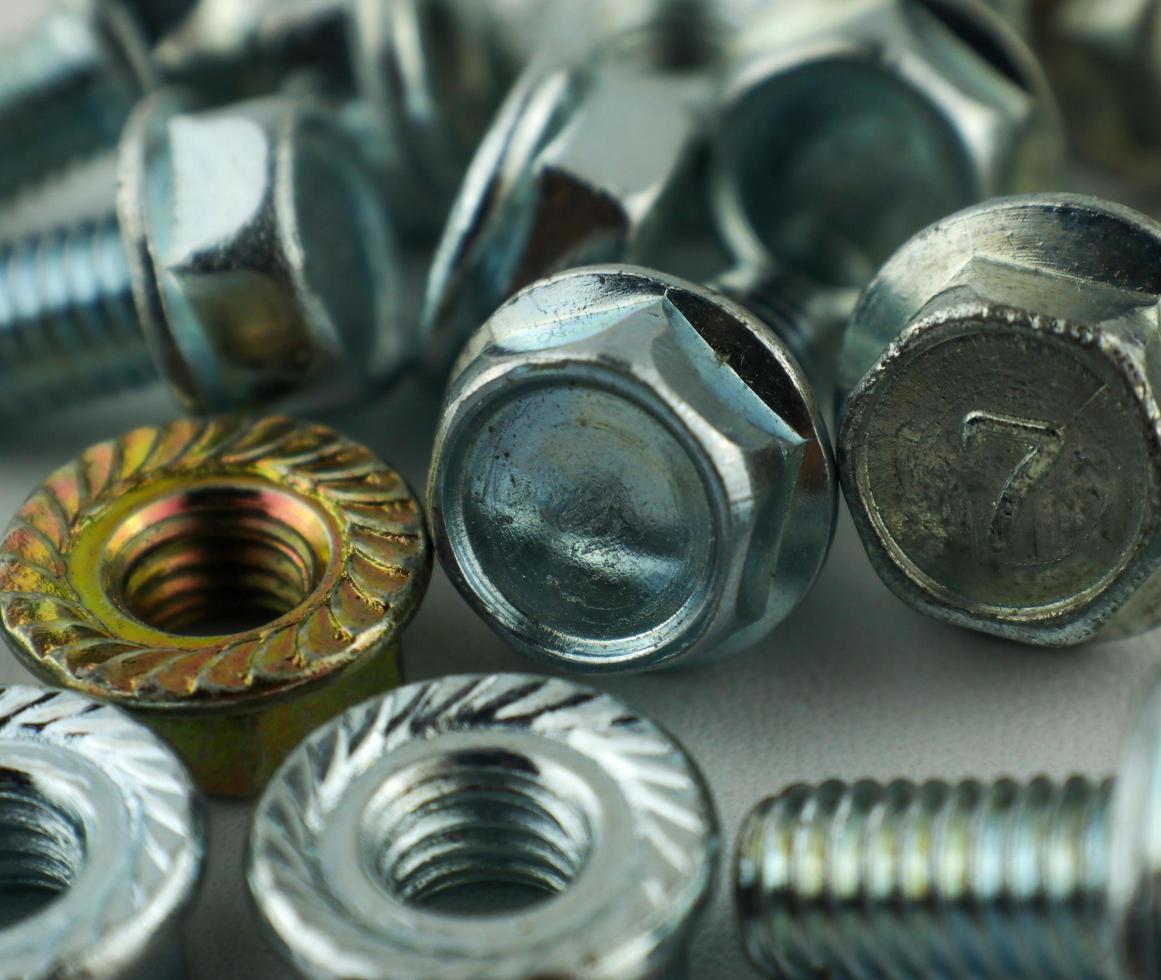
{"points": [[1044, 443]]}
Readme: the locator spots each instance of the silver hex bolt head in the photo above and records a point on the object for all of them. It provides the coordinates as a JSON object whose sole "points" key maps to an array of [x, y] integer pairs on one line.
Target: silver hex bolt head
{"points": [[263, 265], [629, 470], [848, 125], [1001, 445]]}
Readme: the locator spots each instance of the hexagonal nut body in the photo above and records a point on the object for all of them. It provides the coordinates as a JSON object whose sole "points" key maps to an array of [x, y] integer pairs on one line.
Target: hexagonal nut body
{"points": [[1001, 453], [262, 263], [1105, 60], [589, 157], [233, 582], [849, 125], [629, 471]]}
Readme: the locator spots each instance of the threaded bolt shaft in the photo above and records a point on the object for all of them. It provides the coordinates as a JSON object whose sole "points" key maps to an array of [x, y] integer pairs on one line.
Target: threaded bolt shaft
{"points": [[929, 880], [68, 323]]}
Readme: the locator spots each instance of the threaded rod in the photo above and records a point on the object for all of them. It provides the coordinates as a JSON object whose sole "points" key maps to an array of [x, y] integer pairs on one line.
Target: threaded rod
{"points": [[68, 324], [928, 880]]}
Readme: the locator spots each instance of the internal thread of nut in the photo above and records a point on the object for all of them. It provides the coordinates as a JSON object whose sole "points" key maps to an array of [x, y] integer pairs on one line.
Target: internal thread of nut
{"points": [[479, 819], [216, 560], [932, 879], [42, 848], [68, 323]]}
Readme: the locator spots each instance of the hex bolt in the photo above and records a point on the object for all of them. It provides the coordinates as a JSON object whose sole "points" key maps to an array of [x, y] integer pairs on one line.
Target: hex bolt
{"points": [[67, 85], [590, 158], [1001, 880], [629, 471], [247, 262], [1000, 447], [845, 126]]}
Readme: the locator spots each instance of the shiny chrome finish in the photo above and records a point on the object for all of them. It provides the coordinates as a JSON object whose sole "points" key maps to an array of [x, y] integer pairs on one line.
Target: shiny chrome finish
{"points": [[588, 160], [1001, 447], [972, 880], [848, 125], [248, 263], [101, 842], [67, 85], [372, 842], [629, 471]]}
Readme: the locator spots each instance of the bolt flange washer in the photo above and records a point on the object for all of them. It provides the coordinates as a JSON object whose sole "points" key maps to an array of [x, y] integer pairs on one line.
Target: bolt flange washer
{"points": [[485, 778], [98, 814], [234, 581]]}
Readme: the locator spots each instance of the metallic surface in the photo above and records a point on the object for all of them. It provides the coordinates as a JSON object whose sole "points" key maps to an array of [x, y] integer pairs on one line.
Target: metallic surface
{"points": [[1001, 880], [848, 125], [586, 158], [67, 85], [254, 265], [1001, 446], [101, 842], [473, 782], [629, 470], [1105, 61], [234, 582]]}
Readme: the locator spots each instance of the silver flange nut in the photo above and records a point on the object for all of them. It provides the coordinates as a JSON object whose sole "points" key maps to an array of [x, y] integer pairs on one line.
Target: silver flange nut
{"points": [[588, 158], [629, 471], [848, 125], [101, 841], [262, 262], [390, 823], [1001, 453], [1105, 61]]}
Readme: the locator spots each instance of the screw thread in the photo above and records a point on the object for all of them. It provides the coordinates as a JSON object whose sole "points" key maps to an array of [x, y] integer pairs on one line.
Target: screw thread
{"points": [[929, 880], [68, 323]]}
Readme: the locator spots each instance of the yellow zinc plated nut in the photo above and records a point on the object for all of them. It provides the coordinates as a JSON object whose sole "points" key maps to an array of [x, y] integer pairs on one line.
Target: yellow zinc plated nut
{"points": [[235, 582]]}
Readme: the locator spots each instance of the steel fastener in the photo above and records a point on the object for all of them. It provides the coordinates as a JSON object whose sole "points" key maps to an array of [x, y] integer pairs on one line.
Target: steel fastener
{"points": [[101, 841], [233, 582], [67, 85], [629, 470], [848, 125], [1103, 58], [384, 819], [247, 263], [1001, 880], [587, 159], [1001, 447]]}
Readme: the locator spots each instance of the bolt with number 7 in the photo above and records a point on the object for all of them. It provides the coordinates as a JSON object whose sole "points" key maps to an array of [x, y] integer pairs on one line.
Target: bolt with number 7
{"points": [[1000, 446]]}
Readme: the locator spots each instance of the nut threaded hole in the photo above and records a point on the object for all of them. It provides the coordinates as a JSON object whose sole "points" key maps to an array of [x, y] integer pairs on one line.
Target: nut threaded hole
{"points": [[217, 559], [479, 833], [42, 848]]}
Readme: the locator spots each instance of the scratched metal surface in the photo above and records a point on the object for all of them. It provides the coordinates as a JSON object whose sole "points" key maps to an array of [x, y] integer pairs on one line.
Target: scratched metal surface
{"points": [[854, 684]]}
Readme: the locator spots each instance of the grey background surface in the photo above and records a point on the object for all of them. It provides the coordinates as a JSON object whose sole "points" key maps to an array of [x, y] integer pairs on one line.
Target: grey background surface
{"points": [[854, 684]]}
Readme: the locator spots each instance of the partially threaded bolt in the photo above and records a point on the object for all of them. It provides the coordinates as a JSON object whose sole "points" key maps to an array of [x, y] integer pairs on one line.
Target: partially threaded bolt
{"points": [[966, 880]]}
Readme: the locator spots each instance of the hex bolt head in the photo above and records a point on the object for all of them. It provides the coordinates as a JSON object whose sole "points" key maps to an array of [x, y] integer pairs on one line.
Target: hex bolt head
{"points": [[1001, 447], [967, 880], [848, 125], [629, 471]]}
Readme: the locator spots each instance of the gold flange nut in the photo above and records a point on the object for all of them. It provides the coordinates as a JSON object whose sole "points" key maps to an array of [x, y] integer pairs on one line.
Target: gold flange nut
{"points": [[235, 582]]}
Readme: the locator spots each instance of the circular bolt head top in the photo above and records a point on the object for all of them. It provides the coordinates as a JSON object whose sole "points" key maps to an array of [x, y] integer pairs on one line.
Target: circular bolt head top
{"points": [[848, 125], [235, 582], [101, 834], [629, 470], [367, 844], [263, 265], [1001, 453]]}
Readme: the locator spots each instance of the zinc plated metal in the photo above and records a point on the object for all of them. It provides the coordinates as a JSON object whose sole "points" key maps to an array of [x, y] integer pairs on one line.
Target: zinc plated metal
{"points": [[98, 817], [1000, 447], [485, 780], [629, 471], [999, 880], [232, 582]]}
